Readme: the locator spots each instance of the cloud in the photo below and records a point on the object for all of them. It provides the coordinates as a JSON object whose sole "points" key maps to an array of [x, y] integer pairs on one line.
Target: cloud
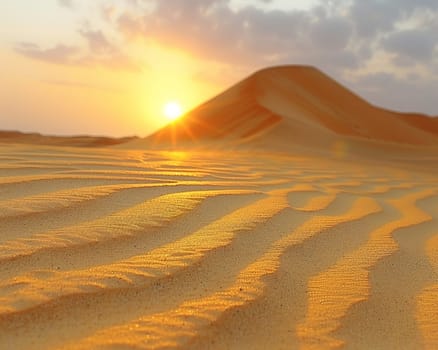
{"points": [[411, 45], [100, 52], [66, 3], [372, 17], [213, 31], [97, 42], [346, 38], [406, 94], [332, 33], [59, 54]]}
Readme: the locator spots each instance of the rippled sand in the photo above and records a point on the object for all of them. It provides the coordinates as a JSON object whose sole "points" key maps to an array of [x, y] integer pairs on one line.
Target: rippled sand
{"points": [[120, 249]]}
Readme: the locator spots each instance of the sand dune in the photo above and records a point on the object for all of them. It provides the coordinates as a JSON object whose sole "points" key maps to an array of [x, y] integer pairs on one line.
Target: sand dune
{"points": [[69, 141], [277, 108], [307, 219]]}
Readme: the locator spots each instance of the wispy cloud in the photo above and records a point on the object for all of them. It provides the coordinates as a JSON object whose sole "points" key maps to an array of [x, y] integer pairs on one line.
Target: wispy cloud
{"points": [[98, 52], [59, 54], [66, 3]]}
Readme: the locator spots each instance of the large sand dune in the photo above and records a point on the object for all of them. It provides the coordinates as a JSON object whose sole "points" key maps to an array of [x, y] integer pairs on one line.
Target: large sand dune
{"points": [[282, 107], [308, 248]]}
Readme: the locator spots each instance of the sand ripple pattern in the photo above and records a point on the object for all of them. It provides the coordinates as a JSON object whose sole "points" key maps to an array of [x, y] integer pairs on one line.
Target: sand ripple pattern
{"points": [[115, 249]]}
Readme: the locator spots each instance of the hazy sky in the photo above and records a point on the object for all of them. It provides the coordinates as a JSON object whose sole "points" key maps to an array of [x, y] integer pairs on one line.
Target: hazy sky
{"points": [[109, 66]]}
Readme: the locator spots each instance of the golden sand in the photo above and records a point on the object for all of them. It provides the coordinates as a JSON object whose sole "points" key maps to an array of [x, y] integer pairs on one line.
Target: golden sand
{"points": [[218, 250], [242, 237]]}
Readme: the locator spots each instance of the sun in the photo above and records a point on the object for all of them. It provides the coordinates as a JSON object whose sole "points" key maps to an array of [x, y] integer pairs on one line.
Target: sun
{"points": [[172, 110]]}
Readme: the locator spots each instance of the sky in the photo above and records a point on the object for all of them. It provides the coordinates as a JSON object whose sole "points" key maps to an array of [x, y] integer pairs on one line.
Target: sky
{"points": [[108, 67]]}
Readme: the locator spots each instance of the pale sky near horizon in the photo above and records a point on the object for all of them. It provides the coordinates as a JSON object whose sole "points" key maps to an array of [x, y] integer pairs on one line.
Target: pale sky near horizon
{"points": [[107, 67]]}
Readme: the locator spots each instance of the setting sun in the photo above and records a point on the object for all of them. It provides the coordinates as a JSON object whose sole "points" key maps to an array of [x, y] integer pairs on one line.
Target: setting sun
{"points": [[172, 110]]}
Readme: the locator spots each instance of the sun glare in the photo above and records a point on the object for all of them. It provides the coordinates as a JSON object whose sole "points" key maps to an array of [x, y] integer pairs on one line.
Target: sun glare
{"points": [[172, 110]]}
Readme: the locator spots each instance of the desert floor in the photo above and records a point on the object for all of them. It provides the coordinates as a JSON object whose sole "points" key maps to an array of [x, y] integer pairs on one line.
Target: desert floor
{"points": [[105, 248]]}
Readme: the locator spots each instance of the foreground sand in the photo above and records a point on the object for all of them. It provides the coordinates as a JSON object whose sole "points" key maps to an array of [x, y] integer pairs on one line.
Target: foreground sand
{"points": [[117, 249]]}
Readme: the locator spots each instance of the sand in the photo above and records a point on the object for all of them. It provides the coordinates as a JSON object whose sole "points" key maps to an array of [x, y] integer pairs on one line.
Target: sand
{"points": [[226, 241]]}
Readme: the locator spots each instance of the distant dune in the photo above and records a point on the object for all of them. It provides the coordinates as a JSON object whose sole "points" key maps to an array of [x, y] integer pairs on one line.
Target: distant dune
{"points": [[293, 105], [307, 219], [71, 141]]}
